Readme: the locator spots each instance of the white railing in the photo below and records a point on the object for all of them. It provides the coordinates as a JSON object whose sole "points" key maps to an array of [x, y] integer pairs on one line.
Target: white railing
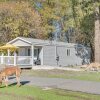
{"points": [[24, 60], [7, 60], [19, 60]]}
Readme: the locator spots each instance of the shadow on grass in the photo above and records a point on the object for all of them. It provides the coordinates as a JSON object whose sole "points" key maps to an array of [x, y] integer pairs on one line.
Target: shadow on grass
{"points": [[24, 82], [13, 84], [11, 78]]}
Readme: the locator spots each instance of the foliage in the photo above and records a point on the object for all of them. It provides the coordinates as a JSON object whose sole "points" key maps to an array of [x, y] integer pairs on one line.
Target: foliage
{"points": [[19, 19], [67, 20]]}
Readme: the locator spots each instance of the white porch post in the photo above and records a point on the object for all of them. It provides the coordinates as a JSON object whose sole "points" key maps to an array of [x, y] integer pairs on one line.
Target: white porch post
{"points": [[32, 54], [8, 52], [8, 56], [2, 58], [15, 60]]}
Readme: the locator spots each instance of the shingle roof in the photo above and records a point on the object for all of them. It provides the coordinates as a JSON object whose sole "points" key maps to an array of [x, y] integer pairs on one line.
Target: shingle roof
{"points": [[46, 42], [40, 42]]}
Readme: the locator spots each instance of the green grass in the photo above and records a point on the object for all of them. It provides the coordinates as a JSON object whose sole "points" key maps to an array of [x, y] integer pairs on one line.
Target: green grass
{"points": [[82, 75], [35, 93]]}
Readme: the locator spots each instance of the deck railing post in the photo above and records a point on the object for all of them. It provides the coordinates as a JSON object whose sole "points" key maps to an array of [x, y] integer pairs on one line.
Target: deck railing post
{"points": [[8, 56], [15, 60]]}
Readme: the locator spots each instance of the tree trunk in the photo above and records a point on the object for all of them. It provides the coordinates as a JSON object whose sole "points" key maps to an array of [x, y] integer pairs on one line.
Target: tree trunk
{"points": [[97, 35], [92, 53]]}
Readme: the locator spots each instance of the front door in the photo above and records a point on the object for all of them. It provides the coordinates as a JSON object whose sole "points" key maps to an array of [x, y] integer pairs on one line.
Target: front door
{"points": [[37, 56], [36, 53]]}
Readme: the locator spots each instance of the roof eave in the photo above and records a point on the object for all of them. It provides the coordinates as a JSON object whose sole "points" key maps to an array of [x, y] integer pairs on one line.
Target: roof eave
{"points": [[19, 39]]}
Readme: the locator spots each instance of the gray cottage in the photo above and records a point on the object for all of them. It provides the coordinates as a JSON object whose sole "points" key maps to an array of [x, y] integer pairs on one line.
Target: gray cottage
{"points": [[33, 52]]}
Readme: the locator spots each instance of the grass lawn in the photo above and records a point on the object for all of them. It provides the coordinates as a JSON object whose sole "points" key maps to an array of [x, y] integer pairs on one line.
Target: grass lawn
{"points": [[35, 93], [82, 75]]}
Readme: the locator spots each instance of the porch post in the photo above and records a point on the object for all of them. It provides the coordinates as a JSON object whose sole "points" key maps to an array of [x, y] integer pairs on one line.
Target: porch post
{"points": [[2, 58], [32, 54], [8, 52], [8, 56], [15, 60]]}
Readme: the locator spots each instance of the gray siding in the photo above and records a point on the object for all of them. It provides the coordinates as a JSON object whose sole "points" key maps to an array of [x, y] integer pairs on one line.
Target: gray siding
{"points": [[50, 52], [49, 55], [66, 60]]}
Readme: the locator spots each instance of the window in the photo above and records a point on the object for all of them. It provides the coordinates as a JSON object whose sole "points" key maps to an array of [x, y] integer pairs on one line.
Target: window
{"points": [[68, 52]]}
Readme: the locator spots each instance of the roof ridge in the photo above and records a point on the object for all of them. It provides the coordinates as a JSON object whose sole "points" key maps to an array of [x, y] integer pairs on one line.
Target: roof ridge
{"points": [[45, 40]]}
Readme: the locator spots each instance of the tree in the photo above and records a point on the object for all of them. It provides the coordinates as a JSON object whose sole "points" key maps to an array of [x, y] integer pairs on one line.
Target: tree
{"points": [[58, 18], [68, 20], [19, 19], [97, 32]]}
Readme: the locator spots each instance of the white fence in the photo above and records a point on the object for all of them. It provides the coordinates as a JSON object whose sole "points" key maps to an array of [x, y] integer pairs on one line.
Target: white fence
{"points": [[18, 60]]}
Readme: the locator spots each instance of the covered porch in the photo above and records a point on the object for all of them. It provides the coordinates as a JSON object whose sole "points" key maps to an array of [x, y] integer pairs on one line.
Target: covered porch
{"points": [[22, 55]]}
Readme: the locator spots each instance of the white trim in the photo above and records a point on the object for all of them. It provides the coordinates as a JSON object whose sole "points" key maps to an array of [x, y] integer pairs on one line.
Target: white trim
{"points": [[19, 39]]}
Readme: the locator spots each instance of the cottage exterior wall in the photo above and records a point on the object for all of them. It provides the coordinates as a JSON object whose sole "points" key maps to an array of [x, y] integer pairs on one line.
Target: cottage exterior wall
{"points": [[68, 60], [49, 55]]}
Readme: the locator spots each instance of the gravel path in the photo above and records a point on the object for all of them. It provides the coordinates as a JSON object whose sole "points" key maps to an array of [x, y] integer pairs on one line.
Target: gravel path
{"points": [[68, 84]]}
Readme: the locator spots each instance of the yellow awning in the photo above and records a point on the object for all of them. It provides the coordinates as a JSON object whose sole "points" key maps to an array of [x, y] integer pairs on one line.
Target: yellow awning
{"points": [[8, 46]]}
